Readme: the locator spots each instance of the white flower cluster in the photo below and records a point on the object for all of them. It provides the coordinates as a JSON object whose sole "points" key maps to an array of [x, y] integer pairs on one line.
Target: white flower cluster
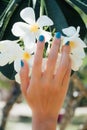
{"points": [[29, 31]]}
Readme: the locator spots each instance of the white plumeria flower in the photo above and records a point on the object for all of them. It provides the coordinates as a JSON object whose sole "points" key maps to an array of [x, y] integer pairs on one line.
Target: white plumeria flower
{"points": [[31, 29], [76, 44], [10, 52]]}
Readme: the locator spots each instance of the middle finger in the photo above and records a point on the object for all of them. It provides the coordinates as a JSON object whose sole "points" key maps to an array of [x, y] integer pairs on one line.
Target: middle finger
{"points": [[52, 58]]}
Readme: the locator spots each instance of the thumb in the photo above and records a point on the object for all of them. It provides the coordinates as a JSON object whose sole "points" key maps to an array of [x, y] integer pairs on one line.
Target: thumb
{"points": [[24, 78]]}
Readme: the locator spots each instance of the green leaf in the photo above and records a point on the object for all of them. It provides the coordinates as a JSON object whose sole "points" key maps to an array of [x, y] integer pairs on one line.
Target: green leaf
{"points": [[6, 15], [72, 16], [82, 4], [2, 6], [15, 17], [56, 14], [8, 71]]}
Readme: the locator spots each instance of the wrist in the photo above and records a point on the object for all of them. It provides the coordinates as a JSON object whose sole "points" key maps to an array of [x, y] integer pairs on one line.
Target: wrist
{"points": [[43, 122]]}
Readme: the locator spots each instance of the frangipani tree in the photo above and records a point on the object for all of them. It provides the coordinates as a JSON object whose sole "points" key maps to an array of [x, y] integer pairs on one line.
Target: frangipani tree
{"points": [[61, 13]]}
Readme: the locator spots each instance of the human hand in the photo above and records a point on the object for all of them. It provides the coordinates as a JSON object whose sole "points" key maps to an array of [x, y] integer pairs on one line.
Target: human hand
{"points": [[46, 91]]}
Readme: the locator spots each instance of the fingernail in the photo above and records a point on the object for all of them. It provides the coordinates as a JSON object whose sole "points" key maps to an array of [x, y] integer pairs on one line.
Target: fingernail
{"points": [[22, 63], [41, 38], [58, 35], [67, 43]]}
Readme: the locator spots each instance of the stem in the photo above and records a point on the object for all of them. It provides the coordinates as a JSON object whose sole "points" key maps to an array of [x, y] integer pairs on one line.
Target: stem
{"points": [[6, 21], [29, 1], [14, 96], [45, 8], [41, 7], [6, 11], [6, 15]]}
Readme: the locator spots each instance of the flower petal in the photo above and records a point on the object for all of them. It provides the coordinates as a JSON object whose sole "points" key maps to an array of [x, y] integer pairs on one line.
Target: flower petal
{"points": [[79, 52], [20, 28], [6, 44], [29, 40], [17, 78], [44, 21], [17, 65], [81, 43], [70, 31], [46, 34], [31, 60], [32, 49], [27, 14], [76, 62], [10, 51], [4, 59]]}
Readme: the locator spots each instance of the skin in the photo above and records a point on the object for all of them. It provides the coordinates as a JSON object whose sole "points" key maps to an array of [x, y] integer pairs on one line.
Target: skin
{"points": [[45, 91]]}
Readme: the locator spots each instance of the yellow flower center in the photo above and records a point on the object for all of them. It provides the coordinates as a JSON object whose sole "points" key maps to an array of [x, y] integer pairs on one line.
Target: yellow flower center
{"points": [[26, 56], [72, 44], [34, 28]]}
